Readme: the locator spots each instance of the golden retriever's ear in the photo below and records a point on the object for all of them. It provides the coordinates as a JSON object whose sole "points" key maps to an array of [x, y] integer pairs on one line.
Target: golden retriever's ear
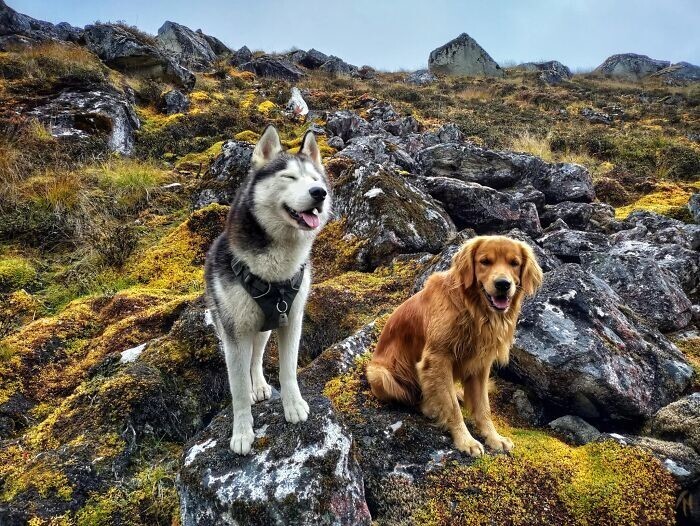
{"points": [[463, 264], [531, 274]]}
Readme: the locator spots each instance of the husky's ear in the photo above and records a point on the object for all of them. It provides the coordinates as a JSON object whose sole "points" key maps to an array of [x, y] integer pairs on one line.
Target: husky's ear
{"points": [[309, 147], [268, 147]]}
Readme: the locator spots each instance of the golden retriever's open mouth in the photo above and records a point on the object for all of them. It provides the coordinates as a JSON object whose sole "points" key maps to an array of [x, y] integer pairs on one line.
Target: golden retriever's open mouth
{"points": [[499, 302]]}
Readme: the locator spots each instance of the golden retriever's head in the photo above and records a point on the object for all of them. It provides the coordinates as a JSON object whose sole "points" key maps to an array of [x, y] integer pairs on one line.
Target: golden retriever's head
{"points": [[498, 268]]}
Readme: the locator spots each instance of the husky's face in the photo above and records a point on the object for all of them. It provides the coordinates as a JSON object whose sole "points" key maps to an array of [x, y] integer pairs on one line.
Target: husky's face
{"points": [[290, 190]]}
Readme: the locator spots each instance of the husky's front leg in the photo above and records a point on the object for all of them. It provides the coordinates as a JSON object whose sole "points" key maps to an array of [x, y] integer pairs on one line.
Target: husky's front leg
{"points": [[295, 407], [238, 357], [261, 389]]}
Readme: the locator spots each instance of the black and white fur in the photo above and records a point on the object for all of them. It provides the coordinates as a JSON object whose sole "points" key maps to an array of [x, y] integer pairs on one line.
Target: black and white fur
{"points": [[263, 232]]}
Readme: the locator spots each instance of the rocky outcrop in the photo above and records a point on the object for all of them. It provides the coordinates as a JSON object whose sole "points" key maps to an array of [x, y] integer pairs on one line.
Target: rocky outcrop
{"points": [[577, 347], [679, 73], [311, 59], [225, 175], [678, 421], [174, 101], [550, 72], [127, 51], [13, 24], [338, 67], [216, 45], [101, 112], [190, 48], [346, 125], [272, 67], [241, 56], [630, 66], [463, 56], [421, 77]]}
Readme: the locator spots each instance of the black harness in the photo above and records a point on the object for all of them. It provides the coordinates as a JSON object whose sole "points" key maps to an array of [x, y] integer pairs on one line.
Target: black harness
{"points": [[274, 298]]}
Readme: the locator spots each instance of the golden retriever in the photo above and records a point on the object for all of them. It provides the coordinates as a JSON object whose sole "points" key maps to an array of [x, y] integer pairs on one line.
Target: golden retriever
{"points": [[454, 329]]}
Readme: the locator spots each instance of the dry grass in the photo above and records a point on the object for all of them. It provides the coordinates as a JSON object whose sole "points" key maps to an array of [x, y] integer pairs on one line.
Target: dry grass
{"points": [[51, 60]]}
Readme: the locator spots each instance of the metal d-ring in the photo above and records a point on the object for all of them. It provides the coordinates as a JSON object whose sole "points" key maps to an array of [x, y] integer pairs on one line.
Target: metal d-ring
{"points": [[286, 306]]}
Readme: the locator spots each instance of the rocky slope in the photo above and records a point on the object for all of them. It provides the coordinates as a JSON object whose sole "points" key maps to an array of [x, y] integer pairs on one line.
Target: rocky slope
{"points": [[113, 395]]}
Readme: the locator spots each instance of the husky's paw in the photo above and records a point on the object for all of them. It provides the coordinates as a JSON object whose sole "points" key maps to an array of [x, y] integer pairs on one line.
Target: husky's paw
{"points": [[261, 390], [295, 409], [242, 439]]}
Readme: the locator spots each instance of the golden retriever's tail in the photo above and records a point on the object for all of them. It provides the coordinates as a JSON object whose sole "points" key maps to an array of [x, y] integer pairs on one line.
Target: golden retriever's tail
{"points": [[384, 385]]}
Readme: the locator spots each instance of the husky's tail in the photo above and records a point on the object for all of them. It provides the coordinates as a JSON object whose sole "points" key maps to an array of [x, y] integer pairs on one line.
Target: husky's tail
{"points": [[384, 385]]}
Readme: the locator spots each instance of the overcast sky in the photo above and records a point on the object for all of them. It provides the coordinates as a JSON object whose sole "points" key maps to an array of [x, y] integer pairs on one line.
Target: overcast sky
{"points": [[391, 35]]}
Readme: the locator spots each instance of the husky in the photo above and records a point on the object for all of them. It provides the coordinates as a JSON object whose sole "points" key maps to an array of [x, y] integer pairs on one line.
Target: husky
{"points": [[258, 274]]}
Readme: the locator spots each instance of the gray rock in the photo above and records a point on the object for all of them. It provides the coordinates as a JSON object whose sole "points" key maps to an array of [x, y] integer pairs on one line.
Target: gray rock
{"points": [[563, 182], [32, 30], [103, 111], [645, 287], [596, 116], [346, 125], [576, 348], [663, 230], [392, 215], [273, 67], [225, 175], [190, 48], [463, 56], [125, 51], [678, 421], [574, 429], [216, 45], [174, 101], [382, 149], [338, 67], [545, 258], [312, 59], [694, 207], [526, 193], [630, 66], [471, 205], [525, 408], [680, 73], [241, 56], [422, 77], [551, 71], [576, 215], [336, 142], [447, 133], [571, 245]]}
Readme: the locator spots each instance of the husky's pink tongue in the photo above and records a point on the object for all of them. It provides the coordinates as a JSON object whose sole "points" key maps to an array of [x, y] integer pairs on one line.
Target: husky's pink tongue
{"points": [[311, 220], [501, 303]]}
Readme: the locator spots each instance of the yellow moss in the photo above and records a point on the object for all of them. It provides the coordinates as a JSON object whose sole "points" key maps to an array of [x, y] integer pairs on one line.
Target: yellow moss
{"points": [[199, 96], [666, 200], [691, 350], [334, 252], [343, 390], [247, 136], [15, 273], [151, 120], [267, 107], [46, 480], [199, 161], [247, 100]]}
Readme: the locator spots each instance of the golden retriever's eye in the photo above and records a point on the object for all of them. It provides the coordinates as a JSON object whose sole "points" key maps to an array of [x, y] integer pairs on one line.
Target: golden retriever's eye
{"points": [[485, 262], [515, 263]]}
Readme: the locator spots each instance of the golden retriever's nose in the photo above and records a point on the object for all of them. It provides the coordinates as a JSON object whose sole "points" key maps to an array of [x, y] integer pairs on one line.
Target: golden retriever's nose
{"points": [[502, 285]]}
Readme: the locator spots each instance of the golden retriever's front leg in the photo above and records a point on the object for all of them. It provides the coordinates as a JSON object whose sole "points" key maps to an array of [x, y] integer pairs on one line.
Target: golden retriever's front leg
{"points": [[477, 394], [440, 401]]}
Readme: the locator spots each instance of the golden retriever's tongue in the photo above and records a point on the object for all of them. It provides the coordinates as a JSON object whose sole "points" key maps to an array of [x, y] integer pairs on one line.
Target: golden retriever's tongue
{"points": [[501, 303], [311, 220]]}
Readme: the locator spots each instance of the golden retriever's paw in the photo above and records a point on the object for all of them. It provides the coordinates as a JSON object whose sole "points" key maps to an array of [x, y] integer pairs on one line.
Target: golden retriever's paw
{"points": [[295, 409], [471, 447], [261, 390], [242, 439], [499, 443]]}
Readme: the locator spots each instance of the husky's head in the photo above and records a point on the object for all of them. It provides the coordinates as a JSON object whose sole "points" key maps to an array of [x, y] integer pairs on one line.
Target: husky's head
{"points": [[290, 190]]}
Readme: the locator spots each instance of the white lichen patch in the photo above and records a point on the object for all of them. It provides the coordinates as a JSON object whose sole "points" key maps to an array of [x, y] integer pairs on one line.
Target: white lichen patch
{"points": [[373, 192], [131, 355], [197, 449]]}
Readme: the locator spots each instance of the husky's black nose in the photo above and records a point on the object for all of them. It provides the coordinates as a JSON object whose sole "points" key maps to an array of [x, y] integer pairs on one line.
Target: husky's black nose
{"points": [[318, 193], [502, 285]]}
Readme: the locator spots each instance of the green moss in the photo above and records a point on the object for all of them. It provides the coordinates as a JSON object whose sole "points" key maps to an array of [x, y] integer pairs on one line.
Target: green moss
{"points": [[15, 273], [199, 161], [343, 390]]}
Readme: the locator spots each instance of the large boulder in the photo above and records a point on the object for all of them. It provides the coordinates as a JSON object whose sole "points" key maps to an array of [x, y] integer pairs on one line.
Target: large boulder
{"points": [[577, 348], [482, 208], [678, 421], [571, 245], [190, 48], [338, 67], [130, 52], [216, 45], [312, 59], [630, 66], [346, 125], [550, 72], [388, 215], [225, 175], [13, 23], [644, 286], [679, 73], [564, 182], [100, 112], [241, 56], [463, 56], [273, 67], [174, 101]]}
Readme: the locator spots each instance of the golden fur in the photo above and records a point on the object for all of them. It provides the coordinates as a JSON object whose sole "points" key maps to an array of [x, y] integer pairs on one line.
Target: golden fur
{"points": [[452, 330]]}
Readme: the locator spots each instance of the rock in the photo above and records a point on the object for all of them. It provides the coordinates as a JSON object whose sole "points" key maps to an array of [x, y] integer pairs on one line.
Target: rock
{"points": [[32, 30], [574, 429], [576, 215], [449, 132], [463, 56], [694, 207], [551, 71], [645, 287], [422, 77], [570, 245], [338, 67], [273, 67], [190, 48], [471, 163], [563, 182], [526, 410], [103, 111], [216, 45], [679, 421], [663, 230], [125, 51], [303, 474], [225, 175], [629, 66], [388, 215], [174, 101], [376, 148], [366, 72], [346, 125], [545, 258], [241, 56], [596, 116], [527, 193], [312, 59], [296, 106], [576, 348], [680, 73], [336, 142], [471, 205]]}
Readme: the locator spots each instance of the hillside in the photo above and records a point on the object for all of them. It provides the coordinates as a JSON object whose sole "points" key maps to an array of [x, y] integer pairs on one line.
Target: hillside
{"points": [[116, 168]]}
